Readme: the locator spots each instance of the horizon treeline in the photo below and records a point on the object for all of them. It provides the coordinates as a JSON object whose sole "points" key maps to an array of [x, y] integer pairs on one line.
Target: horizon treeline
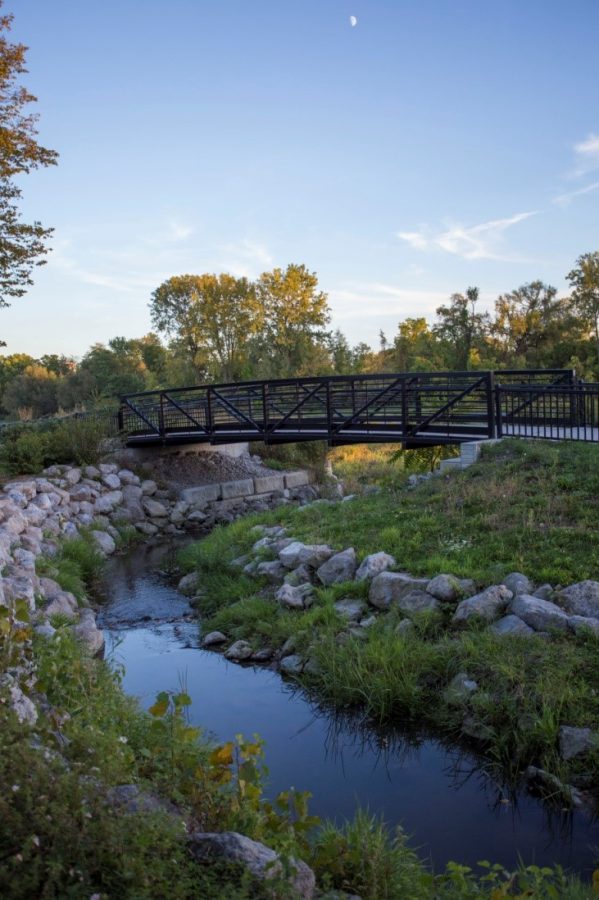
{"points": [[211, 328]]}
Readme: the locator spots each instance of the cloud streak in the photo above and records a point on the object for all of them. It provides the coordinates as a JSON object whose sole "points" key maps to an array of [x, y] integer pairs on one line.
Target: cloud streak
{"points": [[482, 241]]}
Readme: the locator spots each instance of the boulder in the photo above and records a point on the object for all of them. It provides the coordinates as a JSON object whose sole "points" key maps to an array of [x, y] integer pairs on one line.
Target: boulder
{"points": [[339, 568], [298, 597], [112, 482], [148, 487], [91, 472], [487, 605], [108, 468], [146, 528], [87, 632], [154, 508], [545, 592], [188, 585], [373, 565], [301, 575], [273, 571], [292, 665], [445, 588], [542, 615], [576, 742], [238, 651], [60, 605], [107, 502], [290, 555], [126, 476], [389, 587], [581, 599], [417, 601], [582, 624], [511, 624], [22, 706], [104, 542], [350, 609], [27, 488], [25, 559], [213, 639], [518, 583], [18, 587], [261, 861]]}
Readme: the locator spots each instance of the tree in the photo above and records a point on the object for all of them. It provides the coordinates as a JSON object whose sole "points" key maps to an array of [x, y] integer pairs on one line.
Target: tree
{"points": [[213, 316], [584, 278], [523, 319], [76, 389], [295, 315], [461, 328], [117, 369], [32, 394], [415, 348], [22, 245]]}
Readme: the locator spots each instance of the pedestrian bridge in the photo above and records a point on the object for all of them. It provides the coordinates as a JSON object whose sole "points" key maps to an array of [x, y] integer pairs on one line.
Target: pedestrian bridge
{"points": [[415, 409]]}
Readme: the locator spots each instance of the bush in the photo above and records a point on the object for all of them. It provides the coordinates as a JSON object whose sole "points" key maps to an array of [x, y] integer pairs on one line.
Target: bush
{"points": [[26, 449]]}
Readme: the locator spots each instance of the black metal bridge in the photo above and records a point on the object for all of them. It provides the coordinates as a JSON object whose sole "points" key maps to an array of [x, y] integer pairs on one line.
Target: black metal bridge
{"points": [[416, 409]]}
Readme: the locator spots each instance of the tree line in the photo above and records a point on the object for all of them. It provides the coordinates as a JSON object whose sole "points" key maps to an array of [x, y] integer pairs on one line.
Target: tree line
{"points": [[211, 328]]}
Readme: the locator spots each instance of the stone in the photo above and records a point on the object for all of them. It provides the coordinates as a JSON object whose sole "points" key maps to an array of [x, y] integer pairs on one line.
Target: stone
{"points": [[446, 588], [154, 508], [576, 742], [239, 651], [25, 559], [339, 568], [298, 597], [542, 615], [301, 575], [290, 555], [126, 476], [350, 609], [146, 528], [189, 584], [459, 689], [545, 592], [367, 622], [512, 625], [148, 487], [107, 502], [87, 632], [45, 630], [201, 495], [262, 862], [91, 472], [518, 583], [487, 605], [22, 706], [373, 565], [113, 482], [388, 588], [108, 469], [18, 498], [272, 570], [70, 530], [581, 599], [296, 479], [132, 799], [292, 665], [18, 587], [265, 484], [73, 476], [213, 639], [27, 488], [418, 601], [243, 487], [314, 555], [405, 627], [288, 647], [60, 606], [263, 655], [82, 492], [312, 667], [196, 517], [104, 541], [582, 624]]}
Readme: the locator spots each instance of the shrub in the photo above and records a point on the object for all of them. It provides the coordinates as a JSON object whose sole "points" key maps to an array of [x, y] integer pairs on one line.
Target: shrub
{"points": [[26, 449]]}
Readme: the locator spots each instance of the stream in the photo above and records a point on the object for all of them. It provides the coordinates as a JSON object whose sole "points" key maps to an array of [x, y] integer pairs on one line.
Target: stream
{"points": [[437, 792]]}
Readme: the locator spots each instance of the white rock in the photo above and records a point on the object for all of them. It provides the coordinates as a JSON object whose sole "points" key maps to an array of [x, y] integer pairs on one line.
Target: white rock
{"points": [[113, 482], [374, 564], [542, 615], [487, 605], [104, 541], [339, 568], [148, 487]]}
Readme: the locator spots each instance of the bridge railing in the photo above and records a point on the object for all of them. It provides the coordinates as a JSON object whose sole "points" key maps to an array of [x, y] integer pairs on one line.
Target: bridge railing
{"points": [[558, 412]]}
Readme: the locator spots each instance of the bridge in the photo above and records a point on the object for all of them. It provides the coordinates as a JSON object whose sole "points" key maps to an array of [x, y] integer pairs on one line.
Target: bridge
{"points": [[416, 409]]}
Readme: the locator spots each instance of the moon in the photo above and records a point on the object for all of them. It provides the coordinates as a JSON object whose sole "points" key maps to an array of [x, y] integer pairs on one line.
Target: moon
{"points": [[353, 21]]}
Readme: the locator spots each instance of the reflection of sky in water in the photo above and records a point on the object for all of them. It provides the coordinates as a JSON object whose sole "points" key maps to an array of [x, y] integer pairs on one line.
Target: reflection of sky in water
{"points": [[451, 810]]}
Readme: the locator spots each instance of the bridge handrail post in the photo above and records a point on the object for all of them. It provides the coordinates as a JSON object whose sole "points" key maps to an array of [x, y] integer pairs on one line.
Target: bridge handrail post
{"points": [[265, 401], [491, 408], [161, 415], [209, 425]]}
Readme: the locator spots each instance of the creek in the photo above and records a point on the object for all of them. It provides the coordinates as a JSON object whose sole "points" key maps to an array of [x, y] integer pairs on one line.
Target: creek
{"points": [[439, 793]]}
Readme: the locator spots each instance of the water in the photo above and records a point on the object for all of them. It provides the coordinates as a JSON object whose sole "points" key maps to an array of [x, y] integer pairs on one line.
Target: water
{"points": [[438, 793]]}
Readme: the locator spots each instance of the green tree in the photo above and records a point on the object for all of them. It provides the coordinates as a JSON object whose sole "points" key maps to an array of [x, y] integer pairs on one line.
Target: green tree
{"points": [[32, 394], [584, 279], [213, 316], [22, 245], [295, 315], [415, 348], [76, 389], [530, 323], [59, 364], [461, 328], [117, 368]]}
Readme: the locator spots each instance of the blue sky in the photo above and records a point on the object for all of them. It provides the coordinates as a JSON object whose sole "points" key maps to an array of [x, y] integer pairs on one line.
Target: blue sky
{"points": [[435, 145]]}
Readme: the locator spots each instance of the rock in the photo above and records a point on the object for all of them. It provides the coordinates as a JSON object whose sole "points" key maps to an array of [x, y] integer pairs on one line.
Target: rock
{"points": [[389, 587], [545, 592], [104, 542], [289, 556], [311, 667], [459, 689], [261, 861], [82, 493], [272, 570], [108, 468], [27, 488], [25, 559], [18, 587], [576, 742], [91, 472], [542, 615], [201, 495], [61, 605], [487, 605], [314, 555], [292, 665], [518, 583], [374, 564], [301, 575], [107, 502], [350, 609], [339, 568], [154, 508], [417, 601], [239, 651], [113, 482], [582, 624], [126, 476], [213, 638], [132, 799], [551, 786], [45, 630], [146, 528], [581, 599], [196, 517], [295, 597], [296, 479], [288, 647], [243, 487], [22, 706], [266, 484], [367, 622], [445, 588], [87, 632], [511, 624], [189, 584], [263, 655], [149, 487], [405, 627], [49, 588]]}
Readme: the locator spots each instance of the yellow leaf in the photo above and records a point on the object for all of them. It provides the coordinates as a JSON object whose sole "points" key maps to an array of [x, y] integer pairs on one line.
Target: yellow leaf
{"points": [[222, 756], [159, 708]]}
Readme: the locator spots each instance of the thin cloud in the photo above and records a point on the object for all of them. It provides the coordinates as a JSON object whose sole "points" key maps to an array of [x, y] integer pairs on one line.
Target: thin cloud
{"points": [[566, 199], [483, 241], [587, 154], [246, 258]]}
